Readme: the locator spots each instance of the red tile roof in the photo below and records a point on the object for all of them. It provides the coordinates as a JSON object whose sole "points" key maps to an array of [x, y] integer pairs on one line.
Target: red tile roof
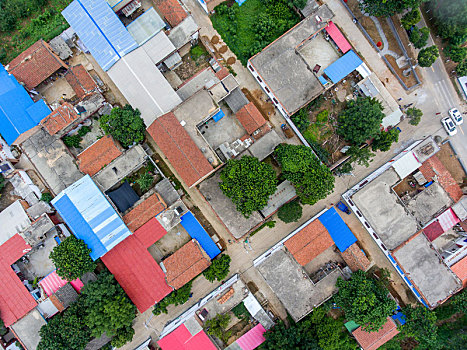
{"points": [[182, 339], [35, 64], [144, 211], [15, 299], [137, 272], [309, 242], [185, 264], [434, 167], [150, 232], [355, 258], [172, 10], [80, 80], [373, 340], [251, 118], [98, 155], [460, 269], [60, 118], [179, 148], [224, 72]]}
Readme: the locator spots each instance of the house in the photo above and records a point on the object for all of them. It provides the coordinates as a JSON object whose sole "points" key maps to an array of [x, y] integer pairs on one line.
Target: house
{"points": [[414, 228], [35, 64], [60, 118], [144, 211], [18, 112], [27, 329], [80, 80], [172, 11], [98, 155], [373, 340]]}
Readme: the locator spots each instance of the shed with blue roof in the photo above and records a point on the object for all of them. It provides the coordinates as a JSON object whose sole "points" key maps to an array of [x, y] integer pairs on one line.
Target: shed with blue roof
{"points": [[343, 67], [89, 215], [196, 231], [337, 228], [18, 112]]}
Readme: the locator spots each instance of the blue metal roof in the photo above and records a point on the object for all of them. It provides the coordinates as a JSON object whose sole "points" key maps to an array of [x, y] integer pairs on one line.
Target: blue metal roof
{"points": [[100, 30], [343, 66], [196, 231], [219, 115], [338, 230], [18, 112], [90, 216]]}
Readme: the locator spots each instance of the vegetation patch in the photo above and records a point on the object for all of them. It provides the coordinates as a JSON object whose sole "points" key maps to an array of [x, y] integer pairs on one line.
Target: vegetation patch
{"points": [[290, 212], [219, 268], [254, 25], [177, 297]]}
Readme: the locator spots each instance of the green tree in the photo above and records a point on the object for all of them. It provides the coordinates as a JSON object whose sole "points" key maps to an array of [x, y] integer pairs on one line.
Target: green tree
{"points": [[360, 120], [411, 18], [456, 53], [364, 301], [177, 297], [217, 327], [300, 4], [72, 141], [384, 140], [312, 179], [415, 115], [297, 336], [451, 19], [421, 326], [145, 181], [65, 331], [419, 37], [387, 7], [46, 197], [428, 56], [108, 308], [248, 183], [301, 119], [219, 268], [461, 69], [290, 212], [124, 124], [71, 258], [361, 156]]}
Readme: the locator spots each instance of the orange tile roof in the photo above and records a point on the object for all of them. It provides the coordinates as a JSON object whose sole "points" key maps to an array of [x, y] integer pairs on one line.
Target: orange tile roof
{"points": [[98, 155], [172, 10], [223, 299], [223, 73], [373, 340], [433, 166], [309, 242], [177, 145], [251, 118], [355, 258], [60, 118], [185, 264], [144, 212], [80, 80], [35, 64], [460, 269]]}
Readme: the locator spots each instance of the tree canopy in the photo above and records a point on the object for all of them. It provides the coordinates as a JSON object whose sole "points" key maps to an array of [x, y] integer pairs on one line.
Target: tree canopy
{"points": [[65, 331], [108, 309], [411, 18], [387, 7], [451, 19], [419, 37], [364, 300], [71, 258], [297, 336], [124, 124], [415, 115], [219, 268], [455, 53], [360, 120], [384, 140], [248, 183], [290, 212], [461, 69], [428, 56], [420, 325], [312, 179]]}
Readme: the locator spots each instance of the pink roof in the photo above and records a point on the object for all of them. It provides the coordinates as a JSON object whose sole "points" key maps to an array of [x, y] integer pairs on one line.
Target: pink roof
{"points": [[182, 339], [136, 270], [53, 282], [15, 299], [338, 38], [443, 223], [253, 338], [433, 230]]}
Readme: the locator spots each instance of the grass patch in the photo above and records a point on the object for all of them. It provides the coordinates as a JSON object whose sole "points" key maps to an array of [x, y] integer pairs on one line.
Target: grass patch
{"points": [[254, 25], [37, 22], [197, 51]]}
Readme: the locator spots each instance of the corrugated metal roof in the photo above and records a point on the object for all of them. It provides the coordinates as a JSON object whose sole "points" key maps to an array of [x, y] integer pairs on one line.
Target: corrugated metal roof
{"points": [[343, 66], [338, 38], [90, 216], [18, 112], [196, 231], [407, 164], [146, 26], [182, 339], [253, 338], [100, 30], [158, 47], [338, 230]]}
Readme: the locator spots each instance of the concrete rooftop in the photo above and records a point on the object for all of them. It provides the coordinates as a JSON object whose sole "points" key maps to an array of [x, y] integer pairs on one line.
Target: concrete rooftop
{"points": [[27, 329], [285, 71], [235, 222], [384, 211], [424, 267], [292, 285], [265, 145]]}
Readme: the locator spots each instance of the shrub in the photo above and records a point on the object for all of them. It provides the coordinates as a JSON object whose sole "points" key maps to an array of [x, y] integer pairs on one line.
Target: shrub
{"points": [[419, 37], [196, 52], [84, 130], [410, 18], [428, 56], [145, 181], [290, 212], [219, 268], [301, 119], [217, 327], [46, 197], [322, 116], [415, 115], [72, 141], [241, 312]]}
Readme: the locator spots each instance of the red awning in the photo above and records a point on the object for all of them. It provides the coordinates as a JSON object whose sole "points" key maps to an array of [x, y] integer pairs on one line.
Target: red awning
{"points": [[337, 37]]}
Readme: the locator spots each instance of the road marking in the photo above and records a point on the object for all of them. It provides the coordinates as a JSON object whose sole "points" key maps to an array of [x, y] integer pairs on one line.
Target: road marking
{"points": [[448, 92], [462, 131], [432, 69]]}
